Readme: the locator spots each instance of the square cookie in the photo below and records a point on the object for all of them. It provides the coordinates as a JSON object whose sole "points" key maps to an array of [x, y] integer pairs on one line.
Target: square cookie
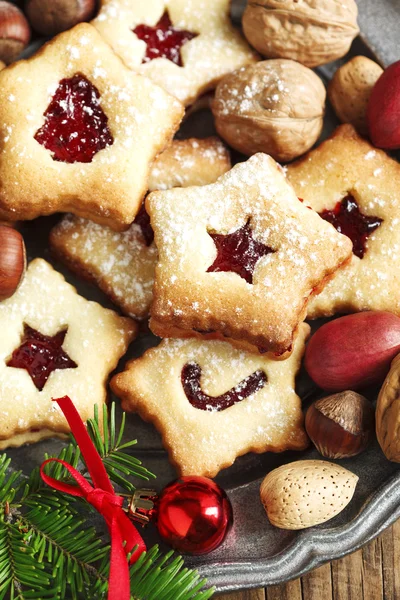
{"points": [[212, 402], [79, 131], [356, 187], [122, 264], [239, 259], [70, 346], [186, 46]]}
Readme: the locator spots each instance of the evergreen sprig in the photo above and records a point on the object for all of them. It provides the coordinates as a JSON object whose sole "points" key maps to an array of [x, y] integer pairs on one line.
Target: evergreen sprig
{"points": [[47, 548]]}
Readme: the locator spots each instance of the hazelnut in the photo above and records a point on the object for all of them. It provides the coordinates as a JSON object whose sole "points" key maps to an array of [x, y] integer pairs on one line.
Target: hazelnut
{"points": [[274, 106], [50, 17], [341, 425], [14, 32], [12, 261], [311, 32], [350, 89]]}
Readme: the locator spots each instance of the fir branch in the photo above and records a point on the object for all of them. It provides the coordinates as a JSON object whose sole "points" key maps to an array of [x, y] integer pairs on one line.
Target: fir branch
{"points": [[118, 464], [68, 549], [162, 577], [48, 552], [21, 577]]}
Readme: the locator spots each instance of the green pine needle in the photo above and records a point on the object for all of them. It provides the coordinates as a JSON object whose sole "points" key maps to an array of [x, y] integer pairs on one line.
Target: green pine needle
{"points": [[47, 548]]}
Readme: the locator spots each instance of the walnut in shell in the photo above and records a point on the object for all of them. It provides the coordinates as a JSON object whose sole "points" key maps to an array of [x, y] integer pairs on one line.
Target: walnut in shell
{"points": [[388, 413], [350, 89], [312, 32], [274, 106], [305, 493]]}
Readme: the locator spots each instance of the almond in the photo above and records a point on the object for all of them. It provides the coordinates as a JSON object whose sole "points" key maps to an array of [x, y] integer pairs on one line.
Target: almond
{"points": [[305, 493]]}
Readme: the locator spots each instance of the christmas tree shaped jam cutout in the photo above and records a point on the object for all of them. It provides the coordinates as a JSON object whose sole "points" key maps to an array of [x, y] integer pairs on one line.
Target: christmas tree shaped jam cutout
{"points": [[190, 376], [143, 220], [238, 252], [347, 218], [163, 40], [40, 355], [75, 126]]}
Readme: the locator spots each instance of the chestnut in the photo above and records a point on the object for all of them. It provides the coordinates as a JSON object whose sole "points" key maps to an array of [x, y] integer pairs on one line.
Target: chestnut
{"points": [[341, 425]]}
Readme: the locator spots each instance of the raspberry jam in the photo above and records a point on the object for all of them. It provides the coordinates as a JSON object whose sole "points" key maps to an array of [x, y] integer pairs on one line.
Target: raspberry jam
{"points": [[190, 377], [75, 126], [163, 40], [40, 355], [347, 218], [143, 220], [238, 252]]}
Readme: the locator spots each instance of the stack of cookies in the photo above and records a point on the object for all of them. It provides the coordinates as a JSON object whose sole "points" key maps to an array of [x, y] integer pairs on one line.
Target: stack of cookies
{"points": [[227, 262]]}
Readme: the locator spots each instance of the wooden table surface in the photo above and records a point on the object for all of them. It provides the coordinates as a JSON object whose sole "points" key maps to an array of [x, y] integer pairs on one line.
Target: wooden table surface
{"points": [[372, 573]]}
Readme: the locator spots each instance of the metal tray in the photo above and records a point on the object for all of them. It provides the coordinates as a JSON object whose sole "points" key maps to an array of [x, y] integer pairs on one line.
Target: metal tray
{"points": [[255, 554]]}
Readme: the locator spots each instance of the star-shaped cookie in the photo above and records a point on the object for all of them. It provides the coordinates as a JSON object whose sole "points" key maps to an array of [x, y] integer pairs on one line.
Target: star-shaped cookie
{"points": [[285, 250], [122, 264], [53, 342], [357, 187], [212, 402], [186, 46], [79, 131]]}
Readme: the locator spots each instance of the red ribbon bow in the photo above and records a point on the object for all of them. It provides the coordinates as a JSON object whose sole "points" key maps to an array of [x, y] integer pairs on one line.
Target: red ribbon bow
{"points": [[104, 499]]}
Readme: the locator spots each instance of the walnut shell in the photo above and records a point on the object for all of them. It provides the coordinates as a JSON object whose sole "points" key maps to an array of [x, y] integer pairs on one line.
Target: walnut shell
{"points": [[274, 106], [350, 89], [388, 413], [312, 32]]}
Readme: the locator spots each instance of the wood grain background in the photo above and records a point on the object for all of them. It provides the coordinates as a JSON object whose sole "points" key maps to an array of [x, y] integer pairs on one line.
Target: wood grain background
{"points": [[372, 573]]}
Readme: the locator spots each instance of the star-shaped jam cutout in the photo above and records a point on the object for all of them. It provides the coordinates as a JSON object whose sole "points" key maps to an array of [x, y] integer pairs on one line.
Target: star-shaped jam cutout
{"points": [[238, 252], [163, 40], [347, 218], [75, 127], [143, 220], [40, 355], [190, 377]]}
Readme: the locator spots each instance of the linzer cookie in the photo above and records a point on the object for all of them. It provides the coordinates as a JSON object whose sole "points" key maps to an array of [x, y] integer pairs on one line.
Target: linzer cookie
{"points": [[79, 131], [185, 46], [53, 342], [239, 259], [212, 402], [122, 264], [356, 188]]}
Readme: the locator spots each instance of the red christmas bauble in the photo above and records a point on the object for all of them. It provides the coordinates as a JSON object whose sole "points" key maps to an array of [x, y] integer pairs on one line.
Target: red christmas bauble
{"points": [[194, 515]]}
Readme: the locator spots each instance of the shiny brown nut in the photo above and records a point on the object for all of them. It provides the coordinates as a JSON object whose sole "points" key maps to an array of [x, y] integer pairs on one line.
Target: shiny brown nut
{"points": [[15, 32], [341, 425], [312, 32], [50, 17], [350, 89], [274, 106], [12, 261]]}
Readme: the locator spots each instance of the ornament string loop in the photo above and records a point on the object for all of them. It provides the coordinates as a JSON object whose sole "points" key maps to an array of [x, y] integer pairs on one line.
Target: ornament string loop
{"points": [[103, 498]]}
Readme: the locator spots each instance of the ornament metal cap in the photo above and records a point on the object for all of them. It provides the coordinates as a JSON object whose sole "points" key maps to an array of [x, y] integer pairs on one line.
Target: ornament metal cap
{"points": [[142, 506]]}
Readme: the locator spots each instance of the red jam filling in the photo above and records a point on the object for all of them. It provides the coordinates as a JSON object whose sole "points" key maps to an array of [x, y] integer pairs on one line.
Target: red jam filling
{"points": [[190, 376], [238, 252], [143, 220], [347, 218], [75, 126], [163, 40], [40, 355]]}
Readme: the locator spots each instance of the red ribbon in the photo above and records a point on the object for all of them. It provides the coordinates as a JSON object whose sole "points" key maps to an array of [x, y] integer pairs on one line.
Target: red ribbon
{"points": [[104, 500]]}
